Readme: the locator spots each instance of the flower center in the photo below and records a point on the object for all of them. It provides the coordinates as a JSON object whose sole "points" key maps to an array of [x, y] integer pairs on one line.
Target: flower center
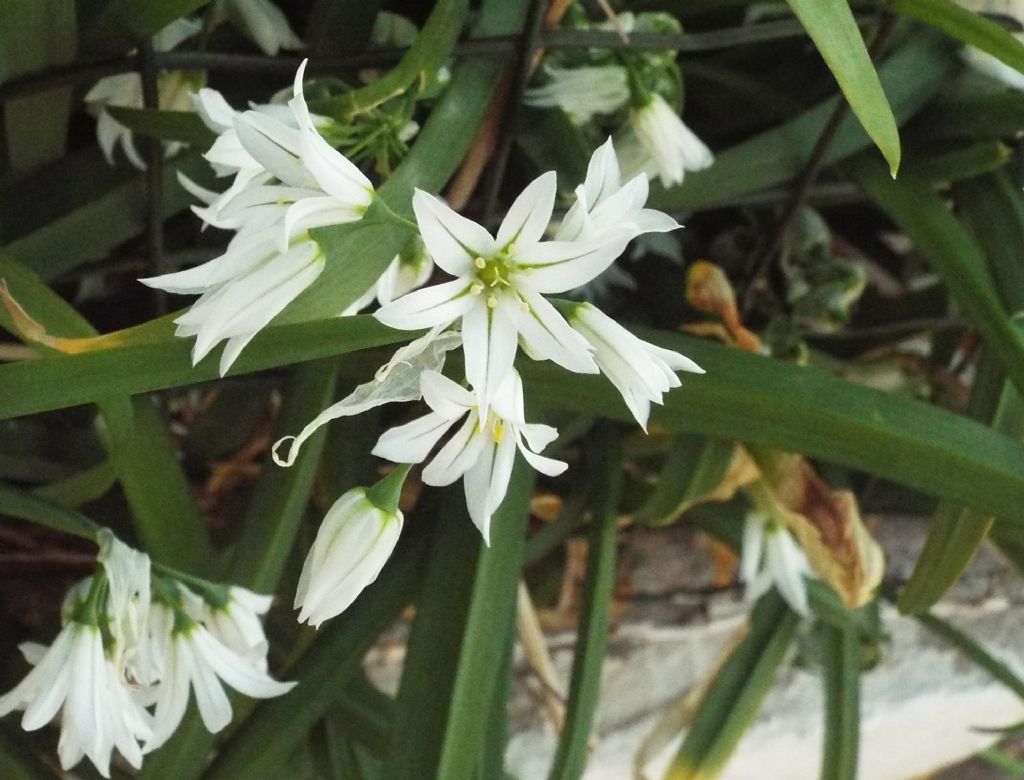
{"points": [[495, 272]]}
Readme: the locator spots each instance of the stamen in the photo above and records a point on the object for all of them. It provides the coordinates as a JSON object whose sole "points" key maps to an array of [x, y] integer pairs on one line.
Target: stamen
{"points": [[476, 288], [492, 302], [480, 263]]}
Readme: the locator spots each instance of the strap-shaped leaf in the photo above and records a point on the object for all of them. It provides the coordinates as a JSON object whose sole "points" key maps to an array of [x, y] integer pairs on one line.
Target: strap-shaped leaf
{"points": [[841, 681], [834, 31], [595, 611], [734, 697], [967, 26]]}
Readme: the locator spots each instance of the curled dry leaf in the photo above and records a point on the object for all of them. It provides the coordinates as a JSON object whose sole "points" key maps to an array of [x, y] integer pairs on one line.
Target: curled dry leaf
{"points": [[826, 522]]}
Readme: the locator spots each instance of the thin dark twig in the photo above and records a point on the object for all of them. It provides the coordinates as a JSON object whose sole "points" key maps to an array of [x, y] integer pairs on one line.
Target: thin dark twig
{"points": [[496, 46], [809, 174], [507, 133], [154, 175]]}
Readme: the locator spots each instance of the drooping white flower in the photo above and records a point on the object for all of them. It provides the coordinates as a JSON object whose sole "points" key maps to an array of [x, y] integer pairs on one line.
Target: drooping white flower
{"points": [[658, 142], [407, 272], [237, 623], [771, 556], [263, 23], [604, 204], [124, 90], [499, 285], [581, 92], [192, 659], [482, 451], [641, 371], [305, 184], [354, 542], [127, 572], [99, 714]]}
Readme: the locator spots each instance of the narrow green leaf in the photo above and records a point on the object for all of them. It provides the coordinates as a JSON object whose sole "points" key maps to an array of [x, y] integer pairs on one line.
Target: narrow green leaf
{"points": [[182, 126], [694, 467], [41, 510], [35, 34], [742, 397], [834, 31], [81, 488], [911, 75], [432, 655], [278, 502], [955, 532], [841, 681], [428, 53], [595, 611], [484, 652], [974, 651], [102, 218], [732, 701], [967, 26], [961, 163], [955, 255]]}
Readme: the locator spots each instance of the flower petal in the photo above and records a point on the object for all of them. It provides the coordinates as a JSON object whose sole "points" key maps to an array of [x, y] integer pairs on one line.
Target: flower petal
{"points": [[529, 214], [453, 241]]}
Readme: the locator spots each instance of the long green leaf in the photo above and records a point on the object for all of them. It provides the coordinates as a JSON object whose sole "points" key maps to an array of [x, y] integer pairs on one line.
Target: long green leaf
{"points": [[954, 253], [911, 76], [432, 657], [182, 126], [486, 642], [278, 502], [834, 31], [974, 651], [742, 397], [694, 467], [955, 532], [732, 701], [595, 611], [841, 680], [967, 26]]}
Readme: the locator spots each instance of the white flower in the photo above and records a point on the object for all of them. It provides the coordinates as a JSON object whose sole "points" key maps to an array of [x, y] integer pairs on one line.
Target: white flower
{"points": [[499, 285], [405, 274], [581, 92], [604, 204], [238, 625], [354, 542], [174, 90], [304, 184], [191, 658], [641, 371], [128, 578], [482, 451], [661, 144], [772, 557], [99, 713], [264, 23]]}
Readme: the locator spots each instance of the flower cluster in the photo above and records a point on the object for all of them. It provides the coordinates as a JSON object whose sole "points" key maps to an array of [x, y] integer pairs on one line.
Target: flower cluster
{"points": [[494, 304], [132, 646], [287, 180], [636, 90]]}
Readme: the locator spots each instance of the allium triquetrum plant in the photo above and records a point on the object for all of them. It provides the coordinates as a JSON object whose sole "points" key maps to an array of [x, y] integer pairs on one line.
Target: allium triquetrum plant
{"points": [[332, 330]]}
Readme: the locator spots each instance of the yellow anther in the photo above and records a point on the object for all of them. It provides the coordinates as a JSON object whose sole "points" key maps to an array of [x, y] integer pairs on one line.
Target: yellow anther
{"points": [[492, 302], [476, 288], [480, 263], [498, 432]]}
